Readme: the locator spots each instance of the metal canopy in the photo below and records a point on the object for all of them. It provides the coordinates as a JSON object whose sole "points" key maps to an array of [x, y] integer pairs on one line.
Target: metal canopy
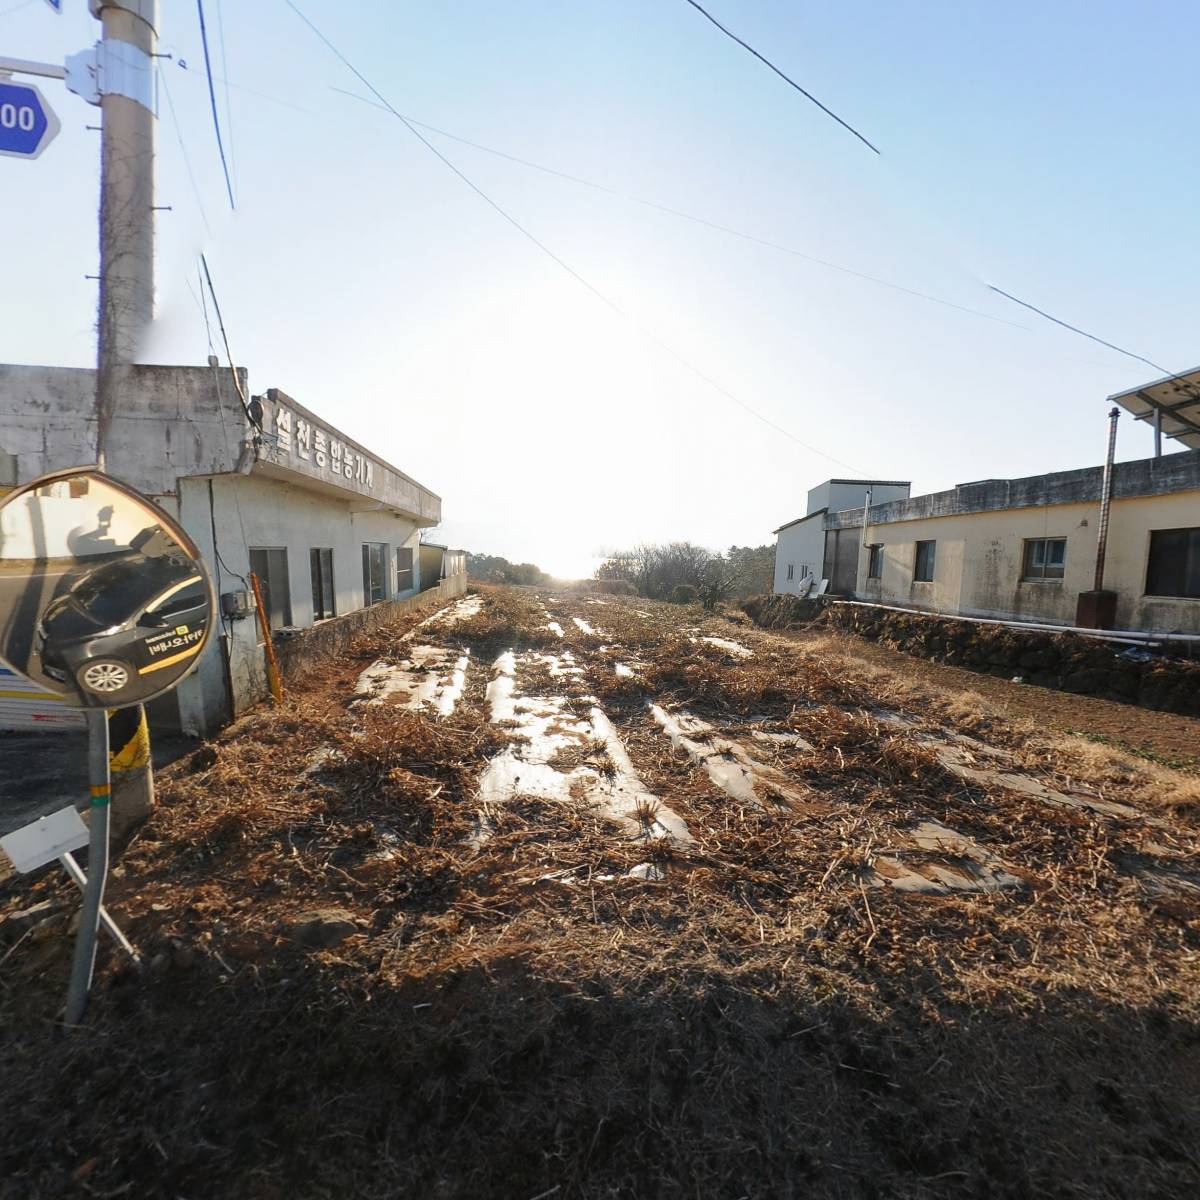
{"points": [[1172, 404]]}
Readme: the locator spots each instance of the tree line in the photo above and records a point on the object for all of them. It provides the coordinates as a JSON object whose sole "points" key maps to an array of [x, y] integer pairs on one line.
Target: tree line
{"points": [[683, 571], [491, 568]]}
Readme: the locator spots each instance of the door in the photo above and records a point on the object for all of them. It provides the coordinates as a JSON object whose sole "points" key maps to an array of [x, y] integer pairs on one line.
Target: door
{"points": [[270, 564], [841, 560]]}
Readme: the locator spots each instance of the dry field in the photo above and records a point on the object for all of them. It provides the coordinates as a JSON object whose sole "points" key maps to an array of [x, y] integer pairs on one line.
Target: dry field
{"points": [[556, 896]]}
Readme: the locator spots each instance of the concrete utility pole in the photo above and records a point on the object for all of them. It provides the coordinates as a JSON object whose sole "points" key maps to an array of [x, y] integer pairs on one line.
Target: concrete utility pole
{"points": [[126, 195], [126, 307]]}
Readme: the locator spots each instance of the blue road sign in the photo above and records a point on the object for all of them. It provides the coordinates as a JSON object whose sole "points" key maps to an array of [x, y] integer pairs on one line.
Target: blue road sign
{"points": [[27, 123]]}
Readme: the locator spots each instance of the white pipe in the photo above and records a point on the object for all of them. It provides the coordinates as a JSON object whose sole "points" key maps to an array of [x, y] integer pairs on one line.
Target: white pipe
{"points": [[1132, 637]]}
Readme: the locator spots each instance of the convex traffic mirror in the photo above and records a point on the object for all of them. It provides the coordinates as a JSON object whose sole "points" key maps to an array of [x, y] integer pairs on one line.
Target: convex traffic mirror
{"points": [[103, 598]]}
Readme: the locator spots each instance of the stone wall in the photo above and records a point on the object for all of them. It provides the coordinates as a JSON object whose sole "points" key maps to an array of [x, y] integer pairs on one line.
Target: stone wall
{"points": [[335, 635], [1064, 661], [783, 611]]}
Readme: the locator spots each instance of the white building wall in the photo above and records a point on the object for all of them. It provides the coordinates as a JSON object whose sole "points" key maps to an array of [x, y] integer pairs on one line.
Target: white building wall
{"points": [[181, 437], [248, 512], [800, 547]]}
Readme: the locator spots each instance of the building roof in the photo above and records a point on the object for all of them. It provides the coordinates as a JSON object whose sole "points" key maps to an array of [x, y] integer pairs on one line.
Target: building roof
{"points": [[1163, 476], [338, 465], [874, 482], [1175, 397], [806, 517]]}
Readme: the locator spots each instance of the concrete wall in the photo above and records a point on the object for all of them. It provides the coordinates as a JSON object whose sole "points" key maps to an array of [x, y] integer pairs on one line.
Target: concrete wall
{"points": [[248, 512], [300, 441], [181, 437], [333, 637], [980, 561], [174, 421], [839, 494], [801, 546]]}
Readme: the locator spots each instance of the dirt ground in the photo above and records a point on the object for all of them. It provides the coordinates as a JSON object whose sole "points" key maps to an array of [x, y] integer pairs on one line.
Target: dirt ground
{"points": [[563, 896]]}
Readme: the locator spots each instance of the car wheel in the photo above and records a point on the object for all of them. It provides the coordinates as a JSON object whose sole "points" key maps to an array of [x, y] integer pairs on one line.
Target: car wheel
{"points": [[106, 677]]}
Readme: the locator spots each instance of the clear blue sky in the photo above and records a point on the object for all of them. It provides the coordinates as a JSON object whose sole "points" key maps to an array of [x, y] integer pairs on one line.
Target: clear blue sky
{"points": [[1048, 148]]}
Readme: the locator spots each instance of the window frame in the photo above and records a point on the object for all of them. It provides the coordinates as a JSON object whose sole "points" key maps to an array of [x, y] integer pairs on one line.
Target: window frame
{"points": [[1189, 569], [931, 566], [791, 574], [875, 561], [1037, 572], [324, 605], [410, 570], [368, 548], [276, 578]]}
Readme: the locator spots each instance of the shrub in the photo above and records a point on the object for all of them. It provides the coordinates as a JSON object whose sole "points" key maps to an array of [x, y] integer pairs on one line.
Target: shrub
{"points": [[614, 587], [683, 593]]}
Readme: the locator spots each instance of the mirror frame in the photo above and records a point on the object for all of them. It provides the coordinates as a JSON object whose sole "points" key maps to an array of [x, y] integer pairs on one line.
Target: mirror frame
{"points": [[72, 699]]}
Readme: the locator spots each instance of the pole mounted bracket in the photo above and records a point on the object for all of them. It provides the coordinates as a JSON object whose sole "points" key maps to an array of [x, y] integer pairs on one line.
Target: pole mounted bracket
{"points": [[112, 68]]}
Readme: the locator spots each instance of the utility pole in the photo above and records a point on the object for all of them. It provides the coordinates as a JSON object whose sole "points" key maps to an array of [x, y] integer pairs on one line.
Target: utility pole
{"points": [[129, 29], [126, 305]]}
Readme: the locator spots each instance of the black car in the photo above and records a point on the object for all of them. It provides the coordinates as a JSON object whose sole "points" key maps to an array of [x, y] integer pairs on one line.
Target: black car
{"points": [[115, 625]]}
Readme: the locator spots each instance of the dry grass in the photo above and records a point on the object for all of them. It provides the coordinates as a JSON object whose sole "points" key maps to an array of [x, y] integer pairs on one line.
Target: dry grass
{"points": [[523, 1020]]}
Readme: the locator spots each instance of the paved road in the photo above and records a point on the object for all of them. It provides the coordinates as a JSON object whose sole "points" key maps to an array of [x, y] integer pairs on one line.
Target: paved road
{"points": [[42, 772]]}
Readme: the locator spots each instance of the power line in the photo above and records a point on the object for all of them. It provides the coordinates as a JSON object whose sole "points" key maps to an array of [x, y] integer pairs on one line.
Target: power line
{"points": [[550, 253], [212, 97], [204, 309], [1082, 332], [786, 78], [187, 162], [687, 216], [237, 383], [228, 103]]}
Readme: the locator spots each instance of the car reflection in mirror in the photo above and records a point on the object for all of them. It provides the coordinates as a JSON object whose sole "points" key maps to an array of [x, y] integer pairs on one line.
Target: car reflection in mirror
{"points": [[112, 627]]}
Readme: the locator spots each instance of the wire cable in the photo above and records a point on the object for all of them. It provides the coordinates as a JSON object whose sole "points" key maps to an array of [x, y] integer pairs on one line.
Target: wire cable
{"points": [[605, 300], [786, 78], [1171, 375], [187, 162], [204, 309], [212, 97], [687, 216], [225, 80], [237, 383]]}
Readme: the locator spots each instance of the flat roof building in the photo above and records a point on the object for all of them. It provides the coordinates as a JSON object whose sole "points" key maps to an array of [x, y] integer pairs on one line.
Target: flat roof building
{"points": [[1024, 549], [326, 523]]}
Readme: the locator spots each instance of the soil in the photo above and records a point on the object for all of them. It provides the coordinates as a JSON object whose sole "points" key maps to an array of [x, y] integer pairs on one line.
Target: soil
{"points": [[633, 913]]}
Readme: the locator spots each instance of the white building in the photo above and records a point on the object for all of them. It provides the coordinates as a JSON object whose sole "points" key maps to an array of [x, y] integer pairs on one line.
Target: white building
{"points": [[327, 525], [800, 544]]}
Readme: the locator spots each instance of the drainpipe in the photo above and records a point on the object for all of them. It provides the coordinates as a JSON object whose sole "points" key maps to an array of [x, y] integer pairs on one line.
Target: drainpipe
{"points": [[1106, 499], [863, 543]]}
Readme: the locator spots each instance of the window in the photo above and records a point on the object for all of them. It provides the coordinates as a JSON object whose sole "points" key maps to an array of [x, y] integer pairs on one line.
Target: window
{"points": [[404, 569], [875, 562], [1045, 558], [186, 601], [375, 556], [791, 571], [321, 563], [926, 559], [1174, 566], [270, 564]]}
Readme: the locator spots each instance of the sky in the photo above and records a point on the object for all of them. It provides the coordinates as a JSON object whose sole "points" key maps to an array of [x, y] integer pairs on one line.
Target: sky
{"points": [[1047, 149]]}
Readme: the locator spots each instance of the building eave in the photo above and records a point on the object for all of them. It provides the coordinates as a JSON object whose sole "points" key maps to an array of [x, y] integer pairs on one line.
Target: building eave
{"points": [[800, 520]]}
